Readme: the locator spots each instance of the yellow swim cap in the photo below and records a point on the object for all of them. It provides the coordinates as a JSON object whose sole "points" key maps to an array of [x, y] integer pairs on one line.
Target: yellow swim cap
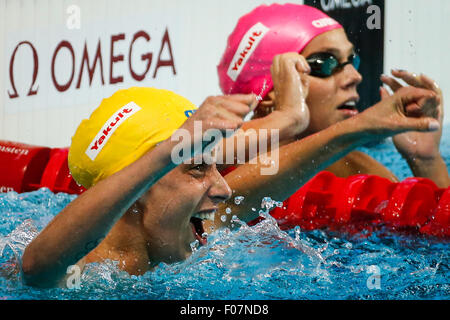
{"points": [[122, 129]]}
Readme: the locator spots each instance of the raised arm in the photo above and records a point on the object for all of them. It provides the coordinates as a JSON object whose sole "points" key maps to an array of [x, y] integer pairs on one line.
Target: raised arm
{"points": [[283, 110], [300, 160], [81, 226]]}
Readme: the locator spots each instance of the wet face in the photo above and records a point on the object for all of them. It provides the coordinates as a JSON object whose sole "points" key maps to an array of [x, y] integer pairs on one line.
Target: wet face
{"points": [[176, 208], [332, 99]]}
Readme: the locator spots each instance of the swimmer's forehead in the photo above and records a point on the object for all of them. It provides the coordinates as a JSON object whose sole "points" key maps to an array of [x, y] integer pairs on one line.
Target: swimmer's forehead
{"points": [[334, 42], [338, 52], [206, 158]]}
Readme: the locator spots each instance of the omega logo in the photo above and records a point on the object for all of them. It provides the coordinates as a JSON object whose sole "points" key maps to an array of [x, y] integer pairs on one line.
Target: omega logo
{"points": [[94, 62]]}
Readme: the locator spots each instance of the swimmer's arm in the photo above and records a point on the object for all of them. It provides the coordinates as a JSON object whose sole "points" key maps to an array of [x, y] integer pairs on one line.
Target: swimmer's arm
{"points": [[294, 166], [434, 169], [357, 162], [287, 129], [82, 225], [284, 112], [299, 161]]}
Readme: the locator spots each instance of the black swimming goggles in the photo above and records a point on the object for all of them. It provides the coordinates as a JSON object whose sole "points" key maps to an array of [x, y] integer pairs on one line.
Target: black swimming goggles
{"points": [[325, 64]]}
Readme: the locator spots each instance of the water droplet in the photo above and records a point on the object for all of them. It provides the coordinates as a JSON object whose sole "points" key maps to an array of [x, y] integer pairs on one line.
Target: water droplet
{"points": [[238, 200], [194, 245], [297, 233]]}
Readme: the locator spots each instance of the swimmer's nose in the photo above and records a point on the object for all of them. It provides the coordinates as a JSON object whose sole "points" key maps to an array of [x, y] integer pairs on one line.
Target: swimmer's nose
{"points": [[351, 77], [220, 191]]}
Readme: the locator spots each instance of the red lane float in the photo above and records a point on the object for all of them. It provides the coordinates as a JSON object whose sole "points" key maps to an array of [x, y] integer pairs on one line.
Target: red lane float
{"points": [[25, 168], [353, 204], [21, 165], [364, 202]]}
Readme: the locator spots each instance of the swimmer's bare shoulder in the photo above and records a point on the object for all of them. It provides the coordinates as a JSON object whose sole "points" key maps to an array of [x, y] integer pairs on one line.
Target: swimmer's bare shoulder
{"points": [[358, 162]]}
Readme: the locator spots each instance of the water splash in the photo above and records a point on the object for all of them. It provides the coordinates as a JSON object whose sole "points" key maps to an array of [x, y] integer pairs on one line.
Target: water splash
{"points": [[246, 262]]}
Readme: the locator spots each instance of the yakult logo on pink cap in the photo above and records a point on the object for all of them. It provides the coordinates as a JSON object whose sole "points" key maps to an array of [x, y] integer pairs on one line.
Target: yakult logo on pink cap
{"points": [[245, 49]]}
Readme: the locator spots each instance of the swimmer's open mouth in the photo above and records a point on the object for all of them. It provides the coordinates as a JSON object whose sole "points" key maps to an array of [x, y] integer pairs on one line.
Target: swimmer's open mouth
{"points": [[349, 105], [197, 224], [348, 108]]}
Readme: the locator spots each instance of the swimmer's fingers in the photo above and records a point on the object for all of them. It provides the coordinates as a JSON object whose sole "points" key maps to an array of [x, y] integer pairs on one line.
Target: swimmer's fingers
{"points": [[433, 107], [289, 70], [425, 107], [250, 100], [218, 112], [304, 69], [302, 66], [409, 95], [233, 109], [422, 124], [305, 84], [290, 63], [391, 83], [419, 81], [224, 125], [410, 78], [417, 102], [430, 84], [229, 107], [384, 93]]}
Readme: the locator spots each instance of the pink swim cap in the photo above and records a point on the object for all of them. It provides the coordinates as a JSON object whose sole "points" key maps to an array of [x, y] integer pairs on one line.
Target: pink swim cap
{"points": [[262, 34]]}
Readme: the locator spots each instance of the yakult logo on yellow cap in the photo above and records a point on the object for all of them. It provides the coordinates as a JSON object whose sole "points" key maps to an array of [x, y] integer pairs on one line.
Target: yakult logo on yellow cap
{"points": [[246, 47], [109, 127]]}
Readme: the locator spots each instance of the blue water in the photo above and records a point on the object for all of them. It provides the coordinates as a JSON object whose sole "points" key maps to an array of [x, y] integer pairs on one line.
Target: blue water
{"points": [[259, 262]]}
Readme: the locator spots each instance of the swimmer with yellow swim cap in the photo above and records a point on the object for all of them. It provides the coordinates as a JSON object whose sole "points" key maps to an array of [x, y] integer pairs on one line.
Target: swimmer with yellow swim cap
{"points": [[141, 208]]}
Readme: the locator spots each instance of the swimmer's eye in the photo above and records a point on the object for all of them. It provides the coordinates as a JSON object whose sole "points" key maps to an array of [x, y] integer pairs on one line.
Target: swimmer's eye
{"points": [[199, 167], [325, 64]]}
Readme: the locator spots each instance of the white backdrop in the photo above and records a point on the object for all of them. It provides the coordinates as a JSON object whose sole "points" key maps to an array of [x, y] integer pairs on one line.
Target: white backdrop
{"points": [[184, 38]]}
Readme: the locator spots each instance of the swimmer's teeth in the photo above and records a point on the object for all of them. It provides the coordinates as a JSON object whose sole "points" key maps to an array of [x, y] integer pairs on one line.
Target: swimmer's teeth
{"points": [[348, 105], [205, 216]]}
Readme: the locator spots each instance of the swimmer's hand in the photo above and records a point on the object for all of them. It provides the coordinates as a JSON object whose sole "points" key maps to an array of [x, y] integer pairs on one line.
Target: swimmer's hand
{"points": [[291, 86], [421, 150], [399, 112], [414, 144], [218, 116]]}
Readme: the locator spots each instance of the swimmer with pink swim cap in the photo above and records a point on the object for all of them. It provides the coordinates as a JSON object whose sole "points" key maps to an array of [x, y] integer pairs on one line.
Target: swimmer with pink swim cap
{"points": [[261, 35], [305, 70], [142, 208]]}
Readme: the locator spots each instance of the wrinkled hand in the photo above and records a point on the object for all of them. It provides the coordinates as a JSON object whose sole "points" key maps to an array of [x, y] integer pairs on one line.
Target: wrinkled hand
{"points": [[223, 114], [417, 145], [291, 85], [398, 113]]}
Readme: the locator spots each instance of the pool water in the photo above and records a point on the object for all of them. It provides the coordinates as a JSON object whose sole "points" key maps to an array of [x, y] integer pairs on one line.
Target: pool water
{"points": [[259, 262]]}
